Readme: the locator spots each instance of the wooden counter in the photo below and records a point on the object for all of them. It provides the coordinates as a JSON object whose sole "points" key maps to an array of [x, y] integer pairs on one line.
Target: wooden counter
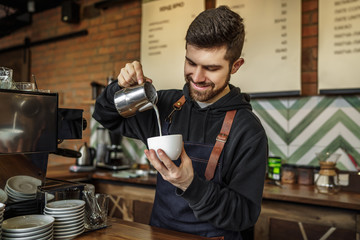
{"points": [[307, 194], [287, 210], [62, 172], [287, 192], [148, 180], [124, 230]]}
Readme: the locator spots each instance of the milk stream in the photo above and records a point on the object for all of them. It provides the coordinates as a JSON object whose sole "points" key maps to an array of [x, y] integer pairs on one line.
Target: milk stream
{"points": [[158, 117]]}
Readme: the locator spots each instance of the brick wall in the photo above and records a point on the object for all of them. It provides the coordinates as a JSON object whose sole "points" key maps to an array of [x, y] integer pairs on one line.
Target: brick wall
{"points": [[69, 66], [309, 47]]}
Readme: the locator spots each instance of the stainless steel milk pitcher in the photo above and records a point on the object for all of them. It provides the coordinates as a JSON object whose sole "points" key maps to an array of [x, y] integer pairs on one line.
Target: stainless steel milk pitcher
{"points": [[136, 98]]}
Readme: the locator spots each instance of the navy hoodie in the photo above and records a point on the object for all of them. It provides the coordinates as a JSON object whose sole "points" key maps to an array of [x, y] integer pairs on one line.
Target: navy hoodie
{"points": [[236, 204]]}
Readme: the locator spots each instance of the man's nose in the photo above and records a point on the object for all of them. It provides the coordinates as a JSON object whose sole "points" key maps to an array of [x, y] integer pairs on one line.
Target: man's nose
{"points": [[199, 75]]}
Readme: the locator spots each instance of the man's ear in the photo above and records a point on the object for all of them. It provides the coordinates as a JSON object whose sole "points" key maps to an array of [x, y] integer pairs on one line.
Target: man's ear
{"points": [[237, 64]]}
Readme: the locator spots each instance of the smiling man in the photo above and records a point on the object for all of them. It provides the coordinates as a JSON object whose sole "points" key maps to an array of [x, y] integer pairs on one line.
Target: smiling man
{"points": [[215, 188], [207, 73]]}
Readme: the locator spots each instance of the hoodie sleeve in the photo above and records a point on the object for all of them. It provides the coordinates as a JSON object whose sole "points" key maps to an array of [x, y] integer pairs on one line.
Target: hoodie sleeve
{"points": [[105, 111], [139, 126], [236, 203]]}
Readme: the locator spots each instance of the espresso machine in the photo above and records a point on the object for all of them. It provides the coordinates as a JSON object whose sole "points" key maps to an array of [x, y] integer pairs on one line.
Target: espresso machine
{"points": [[31, 127]]}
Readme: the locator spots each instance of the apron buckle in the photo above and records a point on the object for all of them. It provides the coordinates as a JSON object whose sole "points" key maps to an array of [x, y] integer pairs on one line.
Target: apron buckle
{"points": [[222, 137]]}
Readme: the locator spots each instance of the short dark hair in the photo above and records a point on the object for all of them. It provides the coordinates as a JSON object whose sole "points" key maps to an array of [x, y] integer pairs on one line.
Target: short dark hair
{"points": [[217, 27]]}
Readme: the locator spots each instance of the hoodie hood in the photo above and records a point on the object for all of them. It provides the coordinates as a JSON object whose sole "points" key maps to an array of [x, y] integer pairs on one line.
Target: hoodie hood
{"points": [[235, 99]]}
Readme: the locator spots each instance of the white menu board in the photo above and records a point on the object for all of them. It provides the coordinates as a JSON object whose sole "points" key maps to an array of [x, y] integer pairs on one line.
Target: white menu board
{"points": [[272, 48], [339, 44], [163, 30]]}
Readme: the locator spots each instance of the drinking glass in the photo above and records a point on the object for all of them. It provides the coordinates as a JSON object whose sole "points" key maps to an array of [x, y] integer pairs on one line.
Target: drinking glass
{"points": [[6, 78], [25, 86], [96, 210]]}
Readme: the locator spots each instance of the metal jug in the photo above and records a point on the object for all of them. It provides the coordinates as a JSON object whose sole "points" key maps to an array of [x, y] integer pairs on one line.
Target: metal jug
{"points": [[137, 98]]}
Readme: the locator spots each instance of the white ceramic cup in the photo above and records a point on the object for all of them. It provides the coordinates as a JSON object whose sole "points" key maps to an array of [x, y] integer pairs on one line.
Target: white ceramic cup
{"points": [[170, 144]]}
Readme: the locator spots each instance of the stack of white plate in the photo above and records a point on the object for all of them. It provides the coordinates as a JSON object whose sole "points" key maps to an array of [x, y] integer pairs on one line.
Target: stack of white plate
{"points": [[28, 227], [2, 210], [69, 217], [3, 196], [21, 188]]}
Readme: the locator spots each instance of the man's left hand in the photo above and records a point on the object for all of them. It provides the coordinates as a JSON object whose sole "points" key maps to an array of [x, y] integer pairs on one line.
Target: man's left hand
{"points": [[181, 177]]}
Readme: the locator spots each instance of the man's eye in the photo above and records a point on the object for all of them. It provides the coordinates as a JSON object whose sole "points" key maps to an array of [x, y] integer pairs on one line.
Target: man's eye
{"points": [[211, 69]]}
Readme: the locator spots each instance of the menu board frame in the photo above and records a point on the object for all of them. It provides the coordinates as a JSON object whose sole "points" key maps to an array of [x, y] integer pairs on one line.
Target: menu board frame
{"points": [[163, 30], [272, 48], [339, 47]]}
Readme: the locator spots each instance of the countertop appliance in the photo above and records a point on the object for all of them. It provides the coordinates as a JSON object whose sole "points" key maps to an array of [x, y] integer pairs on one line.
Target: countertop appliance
{"points": [[31, 127], [111, 155], [85, 163]]}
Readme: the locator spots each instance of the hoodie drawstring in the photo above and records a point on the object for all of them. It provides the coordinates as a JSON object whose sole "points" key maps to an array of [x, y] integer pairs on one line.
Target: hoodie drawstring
{"points": [[205, 124]]}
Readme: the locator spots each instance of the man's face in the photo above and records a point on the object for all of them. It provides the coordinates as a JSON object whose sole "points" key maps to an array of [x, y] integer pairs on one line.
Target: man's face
{"points": [[207, 73]]}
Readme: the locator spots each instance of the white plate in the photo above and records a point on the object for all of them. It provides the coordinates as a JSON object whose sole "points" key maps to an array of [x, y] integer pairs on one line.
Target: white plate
{"points": [[65, 219], [27, 223], [65, 205], [69, 235], [32, 237], [68, 223], [70, 214], [13, 193], [47, 237], [2, 206], [16, 197], [70, 226], [52, 212], [27, 234], [69, 229], [23, 184], [50, 197], [3, 196]]}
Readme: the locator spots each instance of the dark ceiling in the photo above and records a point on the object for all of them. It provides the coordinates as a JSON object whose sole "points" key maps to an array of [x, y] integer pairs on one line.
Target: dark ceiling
{"points": [[15, 14]]}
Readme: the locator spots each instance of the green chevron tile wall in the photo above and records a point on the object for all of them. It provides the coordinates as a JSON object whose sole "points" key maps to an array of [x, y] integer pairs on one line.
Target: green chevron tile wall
{"points": [[297, 128]]}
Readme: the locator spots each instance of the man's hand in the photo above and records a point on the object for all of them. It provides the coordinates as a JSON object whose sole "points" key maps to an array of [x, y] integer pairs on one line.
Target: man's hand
{"points": [[181, 177], [132, 74]]}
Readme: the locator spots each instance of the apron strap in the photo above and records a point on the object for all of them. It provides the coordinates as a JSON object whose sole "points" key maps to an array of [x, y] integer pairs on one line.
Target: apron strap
{"points": [[219, 145], [179, 103], [220, 139], [176, 107]]}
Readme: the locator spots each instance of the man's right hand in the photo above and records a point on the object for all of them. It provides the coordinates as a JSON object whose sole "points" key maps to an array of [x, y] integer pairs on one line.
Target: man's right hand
{"points": [[132, 74]]}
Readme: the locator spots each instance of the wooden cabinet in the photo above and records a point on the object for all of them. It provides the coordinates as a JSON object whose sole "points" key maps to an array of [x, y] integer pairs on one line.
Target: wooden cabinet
{"points": [[298, 212], [280, 220], [128, 202]]}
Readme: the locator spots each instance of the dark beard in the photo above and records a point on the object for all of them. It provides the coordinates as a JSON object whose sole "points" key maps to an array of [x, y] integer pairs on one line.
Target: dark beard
{"points": [[208, 94]]}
